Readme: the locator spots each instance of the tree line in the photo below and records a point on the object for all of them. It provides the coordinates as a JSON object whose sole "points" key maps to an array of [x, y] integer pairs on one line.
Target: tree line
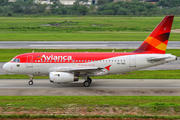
{"points": [[80, 7]]}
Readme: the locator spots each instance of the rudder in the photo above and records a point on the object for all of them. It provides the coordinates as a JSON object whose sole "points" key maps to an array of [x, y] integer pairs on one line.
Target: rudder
{"points": [[157, 41]]}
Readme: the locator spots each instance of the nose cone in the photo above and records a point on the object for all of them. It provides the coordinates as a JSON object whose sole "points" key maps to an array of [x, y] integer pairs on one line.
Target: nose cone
{"points": [[6, 67]]}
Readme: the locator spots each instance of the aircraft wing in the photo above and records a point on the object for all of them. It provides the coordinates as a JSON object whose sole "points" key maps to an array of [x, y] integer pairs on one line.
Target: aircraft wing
{"points": [[85, 70], [79, 69]]}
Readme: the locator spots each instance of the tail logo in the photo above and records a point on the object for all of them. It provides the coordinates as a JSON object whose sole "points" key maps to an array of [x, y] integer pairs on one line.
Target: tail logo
{"points": [[157, 41]]}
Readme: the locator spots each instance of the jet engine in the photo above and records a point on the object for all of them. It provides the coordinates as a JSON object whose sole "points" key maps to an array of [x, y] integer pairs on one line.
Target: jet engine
{"points": [[62, 77]]}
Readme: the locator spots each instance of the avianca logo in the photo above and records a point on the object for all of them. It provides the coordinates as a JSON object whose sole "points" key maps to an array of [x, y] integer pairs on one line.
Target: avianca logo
{"points": [[52, 57]]}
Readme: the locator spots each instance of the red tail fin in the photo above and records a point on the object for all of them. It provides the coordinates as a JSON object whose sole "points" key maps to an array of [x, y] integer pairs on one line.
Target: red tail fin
{"points": [[157, 41]]}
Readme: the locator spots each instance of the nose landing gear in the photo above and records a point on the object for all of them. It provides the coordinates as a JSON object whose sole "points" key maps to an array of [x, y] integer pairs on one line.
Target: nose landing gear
{"points": [[31, 81]]}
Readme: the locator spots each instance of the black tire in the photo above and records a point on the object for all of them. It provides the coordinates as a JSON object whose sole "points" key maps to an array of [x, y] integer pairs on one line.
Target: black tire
{"points": [[86, 83], [30, 82], [90, 80]]}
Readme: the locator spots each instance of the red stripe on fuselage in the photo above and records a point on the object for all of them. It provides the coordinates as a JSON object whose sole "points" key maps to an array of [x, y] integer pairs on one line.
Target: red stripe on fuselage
{"points": [[67, 57]]}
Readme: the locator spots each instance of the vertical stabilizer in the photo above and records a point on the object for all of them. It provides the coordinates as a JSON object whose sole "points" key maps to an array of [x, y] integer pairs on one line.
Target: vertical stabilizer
{"points": [[157, 41]]}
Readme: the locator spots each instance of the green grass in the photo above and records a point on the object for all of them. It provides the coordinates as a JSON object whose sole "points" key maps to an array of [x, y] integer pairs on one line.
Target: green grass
{"points": [[7, 54], [146, 74], [45, 105], [80, 28], [130, 23], [78, 36], [38, 101]]}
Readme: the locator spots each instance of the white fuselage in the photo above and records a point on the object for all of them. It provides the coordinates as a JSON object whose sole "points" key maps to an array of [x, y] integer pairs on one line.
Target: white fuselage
{"points": [[118, 65]]}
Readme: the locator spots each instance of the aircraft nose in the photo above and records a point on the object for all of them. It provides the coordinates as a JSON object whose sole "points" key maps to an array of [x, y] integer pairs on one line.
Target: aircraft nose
{"points": [[6, 67]]}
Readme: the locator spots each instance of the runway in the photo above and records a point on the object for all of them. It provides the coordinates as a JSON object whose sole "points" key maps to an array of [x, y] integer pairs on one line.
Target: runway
{"points": [[122, 87], [78, 44]]}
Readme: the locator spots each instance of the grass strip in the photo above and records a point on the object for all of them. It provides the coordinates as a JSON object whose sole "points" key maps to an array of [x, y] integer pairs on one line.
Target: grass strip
{"points": [[145, 74], [79, 36], [7, 54], [67, 101], [87, 22], [91, 116], [87, 28]]}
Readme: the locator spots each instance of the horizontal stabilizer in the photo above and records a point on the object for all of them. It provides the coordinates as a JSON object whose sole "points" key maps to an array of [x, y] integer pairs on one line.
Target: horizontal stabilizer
{"points": [[157, 58]]}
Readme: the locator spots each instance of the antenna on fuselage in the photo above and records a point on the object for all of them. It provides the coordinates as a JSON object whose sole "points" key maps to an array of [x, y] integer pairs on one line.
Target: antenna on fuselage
{"points": [[112, 51], [33, 51]]}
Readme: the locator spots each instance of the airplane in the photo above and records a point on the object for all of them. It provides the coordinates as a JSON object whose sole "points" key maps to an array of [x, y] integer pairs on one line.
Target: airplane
{"points": [[64, 67]]}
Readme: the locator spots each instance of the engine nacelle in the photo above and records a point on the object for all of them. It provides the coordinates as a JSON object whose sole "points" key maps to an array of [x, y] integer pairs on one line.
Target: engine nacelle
{"points": [[62, 77]]}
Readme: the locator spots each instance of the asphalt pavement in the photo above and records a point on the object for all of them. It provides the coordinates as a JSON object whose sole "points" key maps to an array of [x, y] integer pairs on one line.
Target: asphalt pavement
{"points": [[78, 44], [120, 87]]}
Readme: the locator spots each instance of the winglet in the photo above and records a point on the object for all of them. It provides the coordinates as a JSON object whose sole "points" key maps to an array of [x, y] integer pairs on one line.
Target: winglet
{"points": [[108, 67], [157, 41]]}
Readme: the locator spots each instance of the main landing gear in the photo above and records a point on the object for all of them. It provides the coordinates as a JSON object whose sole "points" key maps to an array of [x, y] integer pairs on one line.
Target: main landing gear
{"points": [[87, 82], [31, 81]]}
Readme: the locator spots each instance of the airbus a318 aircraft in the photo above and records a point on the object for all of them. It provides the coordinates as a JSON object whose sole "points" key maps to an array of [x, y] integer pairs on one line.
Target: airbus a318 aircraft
{"points": [[64, 67]]}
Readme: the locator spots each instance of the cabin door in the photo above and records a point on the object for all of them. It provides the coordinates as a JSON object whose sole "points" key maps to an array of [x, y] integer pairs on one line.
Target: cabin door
{"points": [[132, 61], [29, 62]]}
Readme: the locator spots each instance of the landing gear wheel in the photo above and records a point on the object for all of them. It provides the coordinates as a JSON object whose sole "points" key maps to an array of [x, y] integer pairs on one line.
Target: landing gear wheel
{"points": [[90, 80], [30, 82], [86, 83]]}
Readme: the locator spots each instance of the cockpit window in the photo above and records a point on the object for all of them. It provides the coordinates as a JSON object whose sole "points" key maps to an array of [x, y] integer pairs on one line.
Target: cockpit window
{"points": [[15, 60]]}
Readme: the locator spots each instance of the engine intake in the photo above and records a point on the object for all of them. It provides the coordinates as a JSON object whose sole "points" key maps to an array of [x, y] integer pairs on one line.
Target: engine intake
{"points": [[62, 77]]}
